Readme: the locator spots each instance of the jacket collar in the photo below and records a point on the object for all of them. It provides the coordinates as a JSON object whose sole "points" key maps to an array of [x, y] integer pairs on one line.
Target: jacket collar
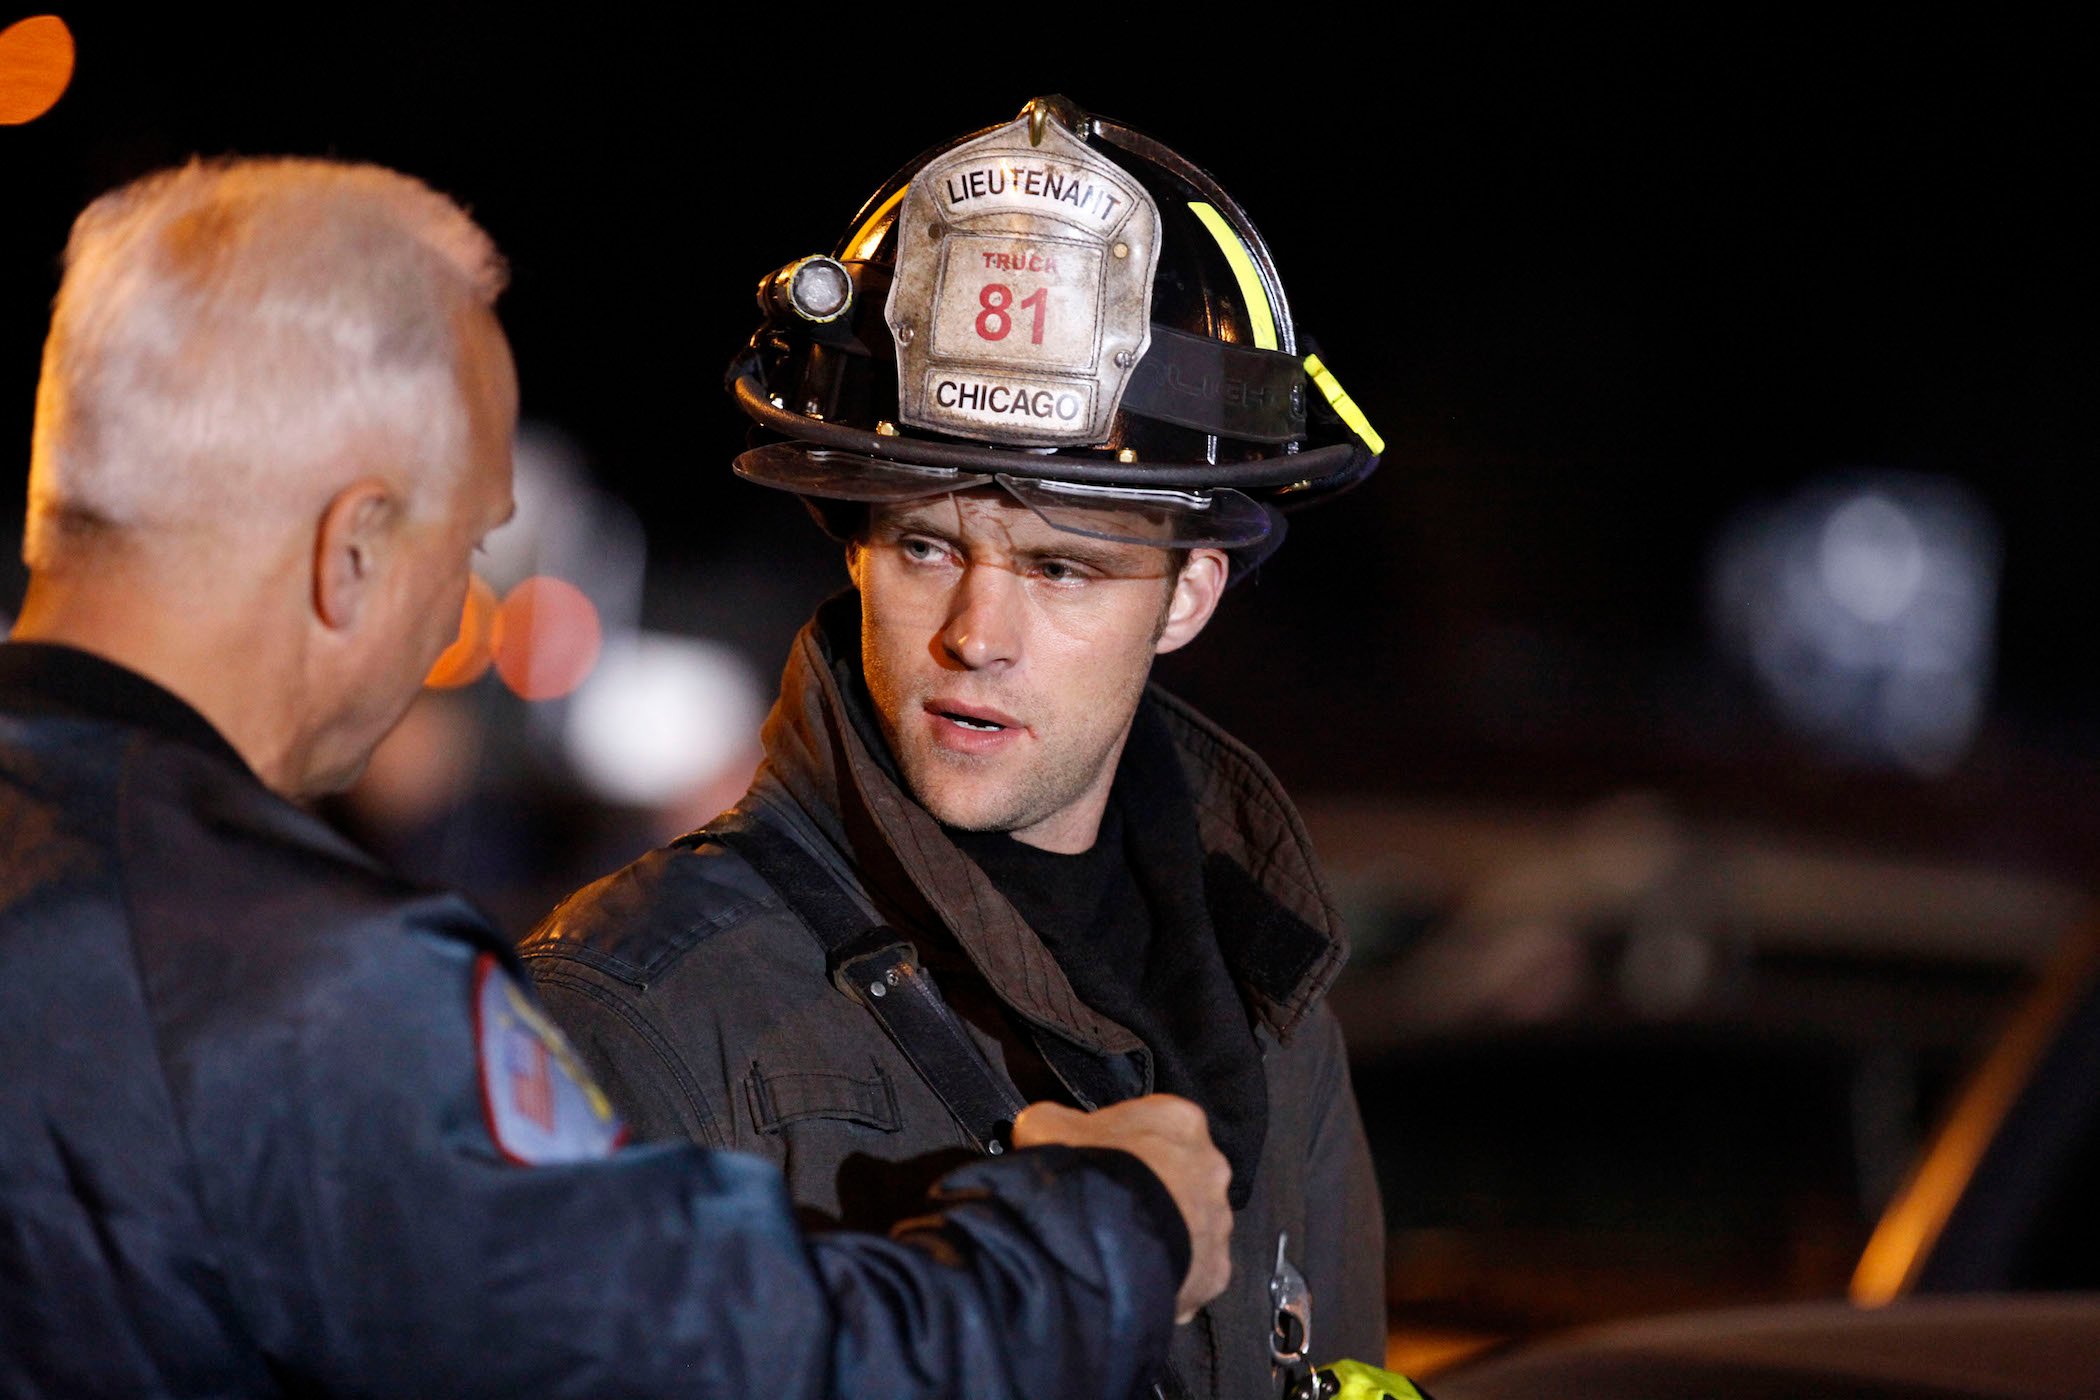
{"points": [[1276, 921], [47, 678]]}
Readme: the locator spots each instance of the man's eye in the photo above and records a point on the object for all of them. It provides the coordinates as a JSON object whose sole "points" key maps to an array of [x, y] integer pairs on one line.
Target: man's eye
{"points": [[1060, 571], [918, 550]]}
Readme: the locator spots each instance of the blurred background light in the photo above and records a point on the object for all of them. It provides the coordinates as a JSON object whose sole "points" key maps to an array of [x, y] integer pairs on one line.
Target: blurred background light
{"points": [[36, 64], [568, 527], [1866, 608], [569, 566], [468, 657], [665, 718], [545, 638]]}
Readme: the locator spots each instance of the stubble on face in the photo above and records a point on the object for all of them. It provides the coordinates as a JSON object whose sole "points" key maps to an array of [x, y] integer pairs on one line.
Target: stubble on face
{"points": [[1070, 671], [1074, 761]]}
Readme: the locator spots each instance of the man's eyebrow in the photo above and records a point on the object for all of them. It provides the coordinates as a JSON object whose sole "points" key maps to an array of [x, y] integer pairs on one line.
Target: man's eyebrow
{"points": [[1119, 563], [922, 523], [1106, 557]]}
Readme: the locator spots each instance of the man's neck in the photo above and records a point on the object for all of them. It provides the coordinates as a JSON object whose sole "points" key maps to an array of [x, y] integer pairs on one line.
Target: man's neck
{"points": [[212, 660]]}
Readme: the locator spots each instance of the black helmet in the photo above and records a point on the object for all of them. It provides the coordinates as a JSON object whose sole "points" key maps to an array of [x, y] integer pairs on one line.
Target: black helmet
{"points": [[1065, 307]]}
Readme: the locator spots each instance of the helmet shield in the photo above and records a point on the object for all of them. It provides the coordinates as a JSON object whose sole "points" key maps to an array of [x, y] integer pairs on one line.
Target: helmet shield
{"points": [[1022, 295]]}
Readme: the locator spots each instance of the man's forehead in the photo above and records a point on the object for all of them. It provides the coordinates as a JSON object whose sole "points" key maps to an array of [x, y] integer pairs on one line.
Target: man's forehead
{"points": [[989, 511]]}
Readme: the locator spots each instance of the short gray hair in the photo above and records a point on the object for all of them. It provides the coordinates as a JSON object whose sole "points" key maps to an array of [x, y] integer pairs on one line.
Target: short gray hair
{"points": [[226, 331]]}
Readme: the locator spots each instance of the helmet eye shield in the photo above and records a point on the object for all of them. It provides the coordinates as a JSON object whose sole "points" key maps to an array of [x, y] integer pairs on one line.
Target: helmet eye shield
{"points": [[1220, 518], [1216, 519], [847, 476]]}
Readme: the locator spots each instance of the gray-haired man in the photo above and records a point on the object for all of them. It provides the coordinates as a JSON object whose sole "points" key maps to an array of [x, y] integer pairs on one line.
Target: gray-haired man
{"points": [[272, 1121]]}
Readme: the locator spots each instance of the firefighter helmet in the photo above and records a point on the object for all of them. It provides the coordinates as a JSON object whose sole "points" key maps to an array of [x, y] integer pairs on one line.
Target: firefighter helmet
{"points": [[1069, 309]]}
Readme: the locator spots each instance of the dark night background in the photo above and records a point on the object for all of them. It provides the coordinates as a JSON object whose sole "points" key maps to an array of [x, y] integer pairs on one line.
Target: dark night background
{"points": [[1596, 289], [1600, 289]]}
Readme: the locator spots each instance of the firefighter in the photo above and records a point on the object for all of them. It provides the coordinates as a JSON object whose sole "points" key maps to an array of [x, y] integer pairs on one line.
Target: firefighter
{"points": [[1048, 391]]}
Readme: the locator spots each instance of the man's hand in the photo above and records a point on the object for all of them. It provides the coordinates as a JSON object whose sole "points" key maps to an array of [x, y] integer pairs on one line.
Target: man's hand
{"points": [[1172, 1137]]}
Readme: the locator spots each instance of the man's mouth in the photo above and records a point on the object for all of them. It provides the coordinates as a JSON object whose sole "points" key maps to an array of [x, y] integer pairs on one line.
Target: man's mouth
{"points": [[978, 719]]}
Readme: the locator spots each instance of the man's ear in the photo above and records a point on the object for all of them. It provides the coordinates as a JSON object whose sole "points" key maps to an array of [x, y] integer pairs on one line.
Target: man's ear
{"points": [[1197, 590], [354, 532]]}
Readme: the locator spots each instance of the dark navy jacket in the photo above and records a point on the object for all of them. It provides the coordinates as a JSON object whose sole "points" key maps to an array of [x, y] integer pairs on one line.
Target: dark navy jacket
{"points": [[258, 1137]]}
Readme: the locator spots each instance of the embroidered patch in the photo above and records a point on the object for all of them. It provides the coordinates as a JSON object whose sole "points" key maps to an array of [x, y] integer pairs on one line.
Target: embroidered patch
{"points": [[541, 1104]]}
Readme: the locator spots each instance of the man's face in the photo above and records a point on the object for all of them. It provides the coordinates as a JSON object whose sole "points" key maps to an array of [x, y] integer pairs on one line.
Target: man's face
{"points": [[1006, 658], [416, 612], [441, 544]]}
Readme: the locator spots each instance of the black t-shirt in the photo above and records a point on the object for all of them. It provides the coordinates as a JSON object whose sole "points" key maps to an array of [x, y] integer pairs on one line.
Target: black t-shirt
{"points": [[1129, 922], [1089, 911]]}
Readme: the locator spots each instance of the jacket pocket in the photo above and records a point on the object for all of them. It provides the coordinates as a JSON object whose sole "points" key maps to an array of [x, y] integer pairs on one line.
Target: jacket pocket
{"points": [[791, 1096]]}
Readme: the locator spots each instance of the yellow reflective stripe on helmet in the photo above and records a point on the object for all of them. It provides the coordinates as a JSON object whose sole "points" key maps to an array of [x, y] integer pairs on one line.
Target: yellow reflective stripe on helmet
{"points": [[862, 244], [1251, 291], [1339, 400]]}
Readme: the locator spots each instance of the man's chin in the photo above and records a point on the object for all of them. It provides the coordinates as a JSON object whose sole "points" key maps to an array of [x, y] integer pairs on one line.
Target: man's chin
{"points": [[341, 766], [318, 784], [954, 801], [966, 815]]}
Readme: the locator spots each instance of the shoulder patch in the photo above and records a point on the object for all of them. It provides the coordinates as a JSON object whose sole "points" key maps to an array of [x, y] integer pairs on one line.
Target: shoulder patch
{"points": [[541, 1103]]}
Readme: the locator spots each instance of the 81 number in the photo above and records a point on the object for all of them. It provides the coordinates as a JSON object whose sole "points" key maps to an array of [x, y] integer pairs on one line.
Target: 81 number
{"points": [[994, 321]]}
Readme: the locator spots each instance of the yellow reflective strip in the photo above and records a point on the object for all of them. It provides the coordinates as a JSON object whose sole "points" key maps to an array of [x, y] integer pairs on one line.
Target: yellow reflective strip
{"points": [[1362, 1381], [862, 244], [1251, 293], [1340, 401]]}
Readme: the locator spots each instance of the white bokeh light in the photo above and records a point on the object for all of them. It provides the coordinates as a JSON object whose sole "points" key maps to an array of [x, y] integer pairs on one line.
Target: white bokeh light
{"points": [[1866, 607], [1872, 558], [661, 717]]}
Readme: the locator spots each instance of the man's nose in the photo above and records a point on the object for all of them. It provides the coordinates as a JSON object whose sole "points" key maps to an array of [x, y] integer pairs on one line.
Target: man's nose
{"points": [[983, 628]]}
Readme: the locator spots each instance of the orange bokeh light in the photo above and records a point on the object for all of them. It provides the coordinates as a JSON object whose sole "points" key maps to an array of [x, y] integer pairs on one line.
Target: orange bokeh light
{"points": [[469, 655], [545, 638], [36, 64]]}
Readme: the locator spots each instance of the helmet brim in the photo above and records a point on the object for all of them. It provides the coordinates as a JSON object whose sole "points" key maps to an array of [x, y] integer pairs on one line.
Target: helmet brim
{"points": [[1220, 518], [809, 470]]}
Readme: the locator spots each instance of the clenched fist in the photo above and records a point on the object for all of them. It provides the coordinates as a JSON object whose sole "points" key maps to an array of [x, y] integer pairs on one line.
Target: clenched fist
{"points": [[1172, 1137]]}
